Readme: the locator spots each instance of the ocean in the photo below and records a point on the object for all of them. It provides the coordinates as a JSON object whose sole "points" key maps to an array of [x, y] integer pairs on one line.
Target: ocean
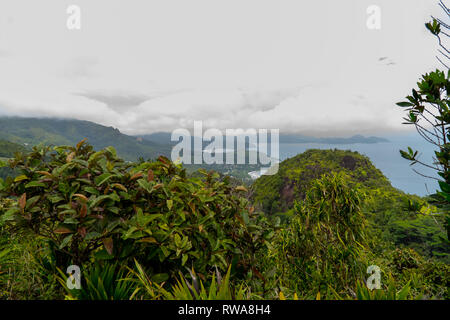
{"points": [[386, 157]]}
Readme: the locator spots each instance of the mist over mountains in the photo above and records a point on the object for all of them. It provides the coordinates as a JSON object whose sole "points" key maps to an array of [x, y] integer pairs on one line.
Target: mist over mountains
{"points": [[34, 131], [165, 138]]}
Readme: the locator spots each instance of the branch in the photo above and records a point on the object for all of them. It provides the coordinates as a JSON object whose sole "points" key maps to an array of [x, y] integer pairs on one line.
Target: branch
{"points": [[425, 176], [442, 62], [426, 130]]}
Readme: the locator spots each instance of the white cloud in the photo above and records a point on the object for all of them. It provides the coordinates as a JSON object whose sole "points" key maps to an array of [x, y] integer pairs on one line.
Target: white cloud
{"points": [[147, 66]]}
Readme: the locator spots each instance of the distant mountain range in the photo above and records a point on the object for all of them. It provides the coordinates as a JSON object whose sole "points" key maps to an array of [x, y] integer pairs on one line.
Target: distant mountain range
{"points": [[32, 131], [165, 138], [28, 132], [8, 149]]}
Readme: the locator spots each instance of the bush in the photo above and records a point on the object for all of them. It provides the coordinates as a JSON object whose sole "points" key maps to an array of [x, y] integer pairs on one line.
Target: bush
{"points": [[92, 206], [323, 245]]}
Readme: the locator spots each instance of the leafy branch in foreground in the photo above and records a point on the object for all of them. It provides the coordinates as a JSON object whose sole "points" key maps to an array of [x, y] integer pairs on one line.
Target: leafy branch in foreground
{"points": [[92, 206], [428, 109]]}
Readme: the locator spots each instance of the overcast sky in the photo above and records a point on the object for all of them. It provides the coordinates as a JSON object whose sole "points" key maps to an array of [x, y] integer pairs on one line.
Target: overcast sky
{"points": [[155, 65]]}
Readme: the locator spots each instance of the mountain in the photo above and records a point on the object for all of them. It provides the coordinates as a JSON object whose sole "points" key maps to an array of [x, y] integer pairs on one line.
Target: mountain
{"points": [[159, 137], [330, 140], [276, 193], [393, 216], [164, 138], [33, 131], [8, 149]]}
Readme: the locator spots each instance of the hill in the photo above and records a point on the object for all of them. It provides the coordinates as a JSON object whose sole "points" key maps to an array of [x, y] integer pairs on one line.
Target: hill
{"points": [[276, 193], [331, 140], [33, 131], [394, 217], [165, 138], [8, 149]]}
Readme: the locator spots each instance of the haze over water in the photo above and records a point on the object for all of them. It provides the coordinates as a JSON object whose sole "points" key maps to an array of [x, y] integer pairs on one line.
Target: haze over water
{"points": [[386, 157]]}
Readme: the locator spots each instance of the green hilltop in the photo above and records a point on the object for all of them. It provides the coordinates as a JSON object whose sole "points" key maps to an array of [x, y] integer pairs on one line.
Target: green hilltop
{"points": [[8, 149], [392, 214], [34, 131], [276, 193]]}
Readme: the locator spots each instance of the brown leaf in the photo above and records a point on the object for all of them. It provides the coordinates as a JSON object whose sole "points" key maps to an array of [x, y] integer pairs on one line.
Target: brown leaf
{"points": [[120, 186], [70, 157], [192, 206], [45, 173], [81, 143], [83, 210], [150, 175], [137, 175], [23, 201], [149, 240], [82, 231], [241, 188], [258, 274], [81, 196], [62, 230], [237, 216], [108, 244], [163, 160]]}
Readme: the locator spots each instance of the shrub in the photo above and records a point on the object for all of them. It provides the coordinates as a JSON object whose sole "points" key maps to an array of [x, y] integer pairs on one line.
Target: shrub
{"points": [[92, 206], [324, 243]]}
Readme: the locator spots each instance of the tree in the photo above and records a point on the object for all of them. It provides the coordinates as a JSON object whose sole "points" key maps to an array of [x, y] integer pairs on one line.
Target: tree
{"points": [[439, 28], [428, 109], [325, 242]]}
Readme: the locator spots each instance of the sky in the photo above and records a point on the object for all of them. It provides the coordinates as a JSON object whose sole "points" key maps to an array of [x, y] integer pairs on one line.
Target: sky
{"points": [[144, 66]]}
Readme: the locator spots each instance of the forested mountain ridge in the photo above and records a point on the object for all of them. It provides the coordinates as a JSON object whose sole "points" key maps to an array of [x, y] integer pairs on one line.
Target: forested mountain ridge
{"points": [[49, 131], [394, 217], [8, 149], [276, 193], [165, 138]]}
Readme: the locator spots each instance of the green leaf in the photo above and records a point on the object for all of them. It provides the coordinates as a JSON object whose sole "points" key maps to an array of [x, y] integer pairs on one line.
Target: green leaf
{"points": [[92, 235], [160, 277], [405, 104], [184, 259], [112, 151], [9, 215], [444, 186], [103, 178], [35, 184], [96, 201], [20, 178], [70, 221], [144, 184], [103, 255], [65, 242]]}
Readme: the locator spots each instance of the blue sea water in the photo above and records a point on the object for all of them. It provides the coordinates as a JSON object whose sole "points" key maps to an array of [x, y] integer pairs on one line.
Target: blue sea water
{"points": [[386, 157]]}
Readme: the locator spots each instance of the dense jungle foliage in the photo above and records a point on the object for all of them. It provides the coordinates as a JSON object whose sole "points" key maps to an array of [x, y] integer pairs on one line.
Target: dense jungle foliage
{"points": [[396, 219], [148, 230], [35, 131]]}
